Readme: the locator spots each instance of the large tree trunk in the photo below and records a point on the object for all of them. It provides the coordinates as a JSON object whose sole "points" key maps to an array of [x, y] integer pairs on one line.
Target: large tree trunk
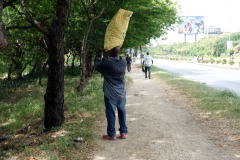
{"points": [[54, 97], [3, 35], [141, 53]]}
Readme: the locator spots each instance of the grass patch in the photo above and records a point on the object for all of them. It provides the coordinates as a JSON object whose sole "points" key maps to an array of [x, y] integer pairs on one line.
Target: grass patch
{"points": [[22, 112], [224, 103]]}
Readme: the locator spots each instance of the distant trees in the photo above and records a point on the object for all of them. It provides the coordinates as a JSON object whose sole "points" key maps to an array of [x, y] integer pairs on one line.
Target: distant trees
{"points": [[41, 33], [205, 46]]}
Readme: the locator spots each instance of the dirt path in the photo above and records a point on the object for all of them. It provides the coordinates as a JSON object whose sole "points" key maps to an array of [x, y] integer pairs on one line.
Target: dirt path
{"points": [[160, 127]]}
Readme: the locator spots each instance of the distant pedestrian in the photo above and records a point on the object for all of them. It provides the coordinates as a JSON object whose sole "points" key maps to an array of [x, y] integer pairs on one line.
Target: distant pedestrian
{"points": [[129, 62], [147, 61]]}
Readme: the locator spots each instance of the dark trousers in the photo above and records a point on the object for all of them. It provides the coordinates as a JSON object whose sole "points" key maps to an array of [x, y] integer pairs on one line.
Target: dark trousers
{"points": [[129, 67], [149, 71]]}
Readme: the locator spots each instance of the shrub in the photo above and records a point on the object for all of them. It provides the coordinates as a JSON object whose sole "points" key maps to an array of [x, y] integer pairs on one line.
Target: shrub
{"points": [[207, 61], [227, 93], [224, 61], [212, 60], [231, 62], [199, 60], [239, 64], [219, 61], [203, 61]]}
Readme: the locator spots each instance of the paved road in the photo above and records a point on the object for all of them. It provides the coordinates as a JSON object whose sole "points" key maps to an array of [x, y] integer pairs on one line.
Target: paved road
{"points": [[218, 78]]}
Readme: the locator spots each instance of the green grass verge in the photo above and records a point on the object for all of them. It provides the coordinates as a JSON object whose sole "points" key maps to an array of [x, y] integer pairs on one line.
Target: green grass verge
{"points": [[22, 112], [225, 103]]}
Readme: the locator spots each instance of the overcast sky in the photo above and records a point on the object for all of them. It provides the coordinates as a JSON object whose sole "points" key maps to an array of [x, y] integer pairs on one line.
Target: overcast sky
{"points": [[223, 14]]}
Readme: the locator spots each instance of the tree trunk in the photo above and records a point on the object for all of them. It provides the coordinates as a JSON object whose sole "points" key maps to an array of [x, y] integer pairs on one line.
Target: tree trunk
{"points": [[83, 80], [67, 60], [41, 74], [141, 53], [54, 97], [3, 35], [19, 75], [89, 65], [84, 76], [74, 55], [10, 72]]}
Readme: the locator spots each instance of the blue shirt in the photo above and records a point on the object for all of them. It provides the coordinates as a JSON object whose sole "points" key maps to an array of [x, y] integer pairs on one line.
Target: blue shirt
{"points": [[113, 71]]}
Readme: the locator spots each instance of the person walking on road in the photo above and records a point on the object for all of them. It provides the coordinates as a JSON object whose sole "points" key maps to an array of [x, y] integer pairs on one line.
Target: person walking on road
{"points": [[113, 70], [129, 62], [147, 61]]}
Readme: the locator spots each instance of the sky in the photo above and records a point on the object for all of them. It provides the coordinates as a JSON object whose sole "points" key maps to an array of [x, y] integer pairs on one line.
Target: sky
{"points": [[224, 14]]}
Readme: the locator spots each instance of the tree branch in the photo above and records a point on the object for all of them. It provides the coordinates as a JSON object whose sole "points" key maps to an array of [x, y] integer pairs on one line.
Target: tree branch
{"points": [[101, 11], [9, 2], [85, 8], [36, 24], [93, 5], [18, 27]]}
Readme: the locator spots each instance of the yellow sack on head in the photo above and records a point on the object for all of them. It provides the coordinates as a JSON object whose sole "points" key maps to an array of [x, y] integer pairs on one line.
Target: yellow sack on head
{"points": [[116, 30]]}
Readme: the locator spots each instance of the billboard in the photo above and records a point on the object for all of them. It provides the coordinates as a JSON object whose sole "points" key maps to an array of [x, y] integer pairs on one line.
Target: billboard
{"points": [[192, 25], [212, 30]]}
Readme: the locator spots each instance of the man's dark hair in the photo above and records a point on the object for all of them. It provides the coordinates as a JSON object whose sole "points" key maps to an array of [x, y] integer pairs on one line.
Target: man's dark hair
{"points": [[115, 51], [147, 53]]}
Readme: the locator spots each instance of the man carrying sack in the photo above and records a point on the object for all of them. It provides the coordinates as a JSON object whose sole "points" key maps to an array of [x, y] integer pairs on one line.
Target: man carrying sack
{"points": [[113, 70]]}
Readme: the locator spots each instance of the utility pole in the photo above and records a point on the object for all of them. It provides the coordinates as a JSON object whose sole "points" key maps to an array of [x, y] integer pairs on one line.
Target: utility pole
{"points": [[217, 48], [229, 51], [141, 53]]}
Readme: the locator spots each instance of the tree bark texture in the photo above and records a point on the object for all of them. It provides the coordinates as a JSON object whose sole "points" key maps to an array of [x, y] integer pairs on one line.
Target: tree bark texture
{"points": [[3, 33], [54, 97]]}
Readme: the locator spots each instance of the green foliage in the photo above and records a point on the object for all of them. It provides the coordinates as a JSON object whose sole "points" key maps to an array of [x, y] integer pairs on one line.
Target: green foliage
{"points": [[231, 62], [205, 46], [212, 60], [222, 44], [219, 61], [224, 61], [227, 93], [22, 108], [28, 47]]}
